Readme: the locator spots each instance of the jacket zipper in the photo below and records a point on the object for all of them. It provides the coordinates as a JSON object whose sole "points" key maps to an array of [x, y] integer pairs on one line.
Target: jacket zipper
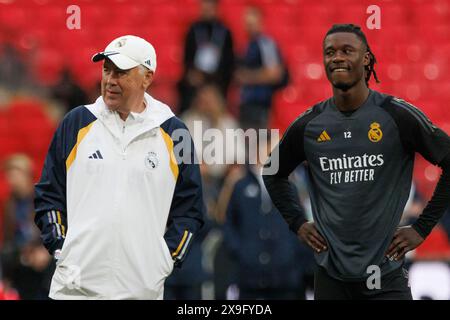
{"points": [[123, 146]]}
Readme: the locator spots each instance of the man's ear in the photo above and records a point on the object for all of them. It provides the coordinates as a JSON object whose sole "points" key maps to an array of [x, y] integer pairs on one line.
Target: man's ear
{"points": [[366, 58], [148, 79]]}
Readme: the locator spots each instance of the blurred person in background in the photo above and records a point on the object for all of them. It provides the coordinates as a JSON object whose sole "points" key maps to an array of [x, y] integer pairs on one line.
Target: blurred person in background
{"points": [[436, 246], [14, 73], [429, 264], [209, 111], [224, 265], [208, 55], [188, 282], [260, 73], [68, 92], [267, 255], [26, 264], [19, 228]]}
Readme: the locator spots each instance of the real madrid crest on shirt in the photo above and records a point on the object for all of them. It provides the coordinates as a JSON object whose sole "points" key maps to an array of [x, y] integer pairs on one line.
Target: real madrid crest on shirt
{"points": [[151, 160], [375, 134]]}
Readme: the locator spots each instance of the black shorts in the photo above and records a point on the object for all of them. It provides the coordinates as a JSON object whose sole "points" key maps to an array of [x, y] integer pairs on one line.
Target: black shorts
{"points": [[393, 286]]}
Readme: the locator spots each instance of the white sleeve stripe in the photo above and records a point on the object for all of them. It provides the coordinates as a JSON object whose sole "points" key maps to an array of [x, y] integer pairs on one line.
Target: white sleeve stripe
{"points": [[180, 256], [54, 216], [58, 229]]}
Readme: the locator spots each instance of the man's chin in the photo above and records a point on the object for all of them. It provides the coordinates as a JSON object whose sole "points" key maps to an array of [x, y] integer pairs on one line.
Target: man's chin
{"points": [[112, 108], [111, 105], [344, 86]]}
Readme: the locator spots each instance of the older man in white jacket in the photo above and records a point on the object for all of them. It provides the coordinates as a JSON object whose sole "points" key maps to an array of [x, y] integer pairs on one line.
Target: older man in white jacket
{"points": [[120, 195]]}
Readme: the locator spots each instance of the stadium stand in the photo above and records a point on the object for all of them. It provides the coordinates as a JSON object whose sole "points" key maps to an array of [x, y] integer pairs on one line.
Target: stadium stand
{"points": [[412, 48]]}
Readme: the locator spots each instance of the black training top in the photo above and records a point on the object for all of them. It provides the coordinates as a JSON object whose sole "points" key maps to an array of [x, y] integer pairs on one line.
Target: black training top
{"points": [[361, 167]]}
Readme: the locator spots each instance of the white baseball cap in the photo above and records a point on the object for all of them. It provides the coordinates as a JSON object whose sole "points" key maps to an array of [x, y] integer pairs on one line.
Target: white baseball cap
{"points": [[127, 52]]}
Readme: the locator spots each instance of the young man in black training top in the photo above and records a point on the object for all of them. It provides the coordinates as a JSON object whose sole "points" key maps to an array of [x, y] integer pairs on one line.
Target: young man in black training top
{"points": [[359, 146]]}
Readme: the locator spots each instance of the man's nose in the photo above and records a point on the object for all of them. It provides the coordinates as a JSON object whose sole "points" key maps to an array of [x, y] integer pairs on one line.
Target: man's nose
{"points": [[110, 79], [338, 56]]}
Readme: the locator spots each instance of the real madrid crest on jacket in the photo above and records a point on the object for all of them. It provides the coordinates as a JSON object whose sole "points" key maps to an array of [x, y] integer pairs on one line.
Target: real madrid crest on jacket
{"points": [[106, 200]]}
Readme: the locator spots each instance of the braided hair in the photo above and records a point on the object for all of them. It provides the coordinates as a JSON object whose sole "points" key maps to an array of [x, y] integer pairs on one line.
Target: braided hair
{"points": [[352, 28]]}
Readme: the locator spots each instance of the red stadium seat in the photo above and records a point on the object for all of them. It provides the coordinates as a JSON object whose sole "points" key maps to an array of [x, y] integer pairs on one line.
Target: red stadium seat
{"points": [[435, 246], [431, 13], [412, 46]]}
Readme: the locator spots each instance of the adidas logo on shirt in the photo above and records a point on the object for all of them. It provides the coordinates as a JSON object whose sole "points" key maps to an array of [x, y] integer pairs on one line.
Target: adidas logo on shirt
{"points": [[323, 137], [96, 155]]}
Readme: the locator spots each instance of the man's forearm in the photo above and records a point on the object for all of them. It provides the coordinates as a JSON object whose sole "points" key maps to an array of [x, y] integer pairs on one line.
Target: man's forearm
{"points": [[283, 194], [438, 204]]}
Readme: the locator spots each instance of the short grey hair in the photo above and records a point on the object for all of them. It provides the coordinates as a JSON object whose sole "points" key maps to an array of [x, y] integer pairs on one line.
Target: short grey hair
{"points": [[142, 69]]}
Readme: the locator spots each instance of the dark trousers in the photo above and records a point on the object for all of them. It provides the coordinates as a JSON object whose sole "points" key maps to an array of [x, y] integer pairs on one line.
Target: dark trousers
{"points": [[393, 286]]}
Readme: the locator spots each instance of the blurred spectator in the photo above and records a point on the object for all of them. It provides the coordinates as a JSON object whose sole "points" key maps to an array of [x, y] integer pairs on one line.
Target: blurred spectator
{"points": [[186, 283], [261, 72], [300, 178], [26, 264], [208, 111], [225, 267], [208, 55], [13, 71], [19, 228], [30, 271], [68, 92], [437, 245], [268, 255]]}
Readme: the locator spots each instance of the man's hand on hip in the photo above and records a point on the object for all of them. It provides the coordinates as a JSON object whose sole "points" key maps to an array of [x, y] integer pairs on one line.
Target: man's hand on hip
{"points": [[405, 239], [309, 234]]}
